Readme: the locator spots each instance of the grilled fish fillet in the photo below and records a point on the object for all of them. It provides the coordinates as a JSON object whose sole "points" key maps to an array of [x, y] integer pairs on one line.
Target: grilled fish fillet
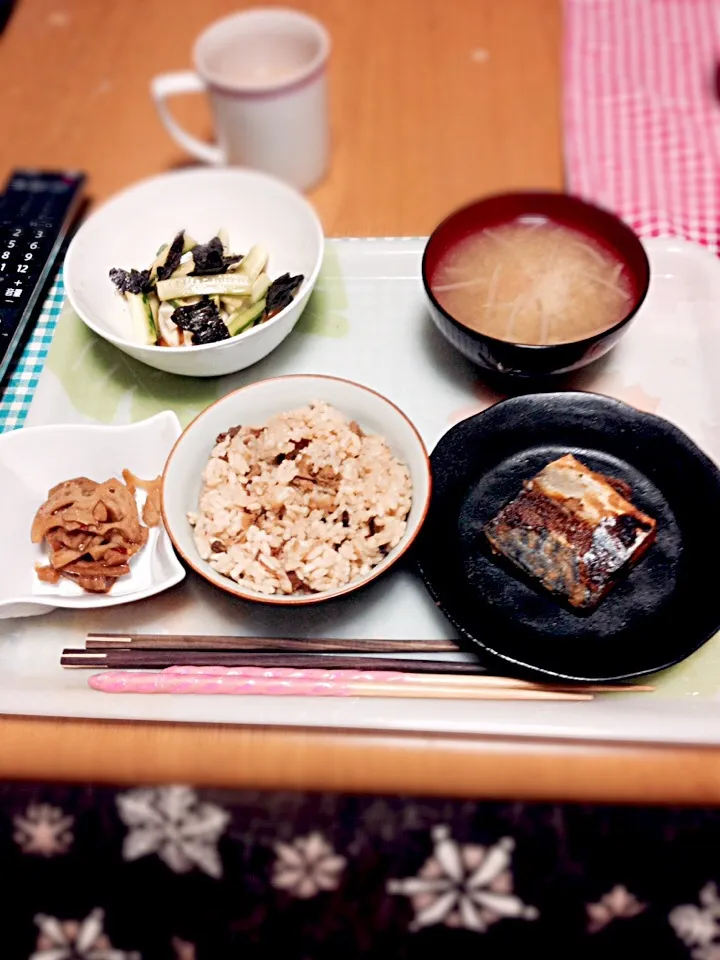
{"points": [[572, 530]]}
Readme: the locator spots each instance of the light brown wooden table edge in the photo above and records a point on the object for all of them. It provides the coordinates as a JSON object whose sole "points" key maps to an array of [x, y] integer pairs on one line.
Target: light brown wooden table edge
{"points": [[352, 761]]}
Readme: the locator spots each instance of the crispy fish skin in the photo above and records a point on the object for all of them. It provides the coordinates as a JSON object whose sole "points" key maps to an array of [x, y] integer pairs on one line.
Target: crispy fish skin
{"points": [[573, 531]]}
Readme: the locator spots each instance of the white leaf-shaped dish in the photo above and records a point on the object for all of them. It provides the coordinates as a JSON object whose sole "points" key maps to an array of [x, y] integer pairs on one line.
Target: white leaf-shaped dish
{"points": [[35, 459]]}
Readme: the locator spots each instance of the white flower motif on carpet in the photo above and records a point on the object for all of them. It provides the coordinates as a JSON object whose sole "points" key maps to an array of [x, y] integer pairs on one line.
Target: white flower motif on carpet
{"points": [[171, 822], [617, 904], [463, 885], [306, 866], [76, 940], [43, 830], [699, 927], [184, 950]]}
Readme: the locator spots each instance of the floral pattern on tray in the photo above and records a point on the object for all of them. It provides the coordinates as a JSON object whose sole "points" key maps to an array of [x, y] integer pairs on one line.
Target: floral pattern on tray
{"points": [[174, 873]]}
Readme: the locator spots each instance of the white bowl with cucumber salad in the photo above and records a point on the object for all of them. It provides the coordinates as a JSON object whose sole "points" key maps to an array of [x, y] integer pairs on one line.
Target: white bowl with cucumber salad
{"points": [[211, 269]]}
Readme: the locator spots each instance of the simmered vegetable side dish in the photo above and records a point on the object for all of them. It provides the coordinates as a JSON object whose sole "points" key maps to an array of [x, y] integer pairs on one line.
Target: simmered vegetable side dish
{"points": [[194, 293]]}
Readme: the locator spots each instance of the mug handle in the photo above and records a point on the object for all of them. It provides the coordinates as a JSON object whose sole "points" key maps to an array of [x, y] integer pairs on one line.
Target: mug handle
{"points": [[171, 84]]}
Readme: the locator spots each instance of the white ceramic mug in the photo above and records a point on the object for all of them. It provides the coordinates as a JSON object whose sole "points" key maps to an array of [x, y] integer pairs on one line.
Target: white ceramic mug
{"points": [[265, 72]]}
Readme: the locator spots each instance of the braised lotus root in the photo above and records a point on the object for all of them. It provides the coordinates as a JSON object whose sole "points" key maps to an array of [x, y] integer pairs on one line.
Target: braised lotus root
{"points": [[93, 529]]}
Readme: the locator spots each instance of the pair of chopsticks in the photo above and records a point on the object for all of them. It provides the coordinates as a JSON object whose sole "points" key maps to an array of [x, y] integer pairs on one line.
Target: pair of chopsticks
{"points": [[157, 651], [300, 667]]}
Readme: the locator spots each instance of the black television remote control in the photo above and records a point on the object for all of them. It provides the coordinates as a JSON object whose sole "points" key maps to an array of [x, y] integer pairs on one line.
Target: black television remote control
{"points": [[37, 210]]}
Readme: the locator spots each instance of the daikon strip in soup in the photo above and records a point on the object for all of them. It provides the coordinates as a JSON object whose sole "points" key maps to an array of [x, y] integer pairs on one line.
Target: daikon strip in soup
{"points": [[532, 283]]}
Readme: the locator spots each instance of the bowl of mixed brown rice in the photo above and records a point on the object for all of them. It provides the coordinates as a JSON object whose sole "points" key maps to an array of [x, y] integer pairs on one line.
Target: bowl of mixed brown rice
{"points": [[296, 490]]}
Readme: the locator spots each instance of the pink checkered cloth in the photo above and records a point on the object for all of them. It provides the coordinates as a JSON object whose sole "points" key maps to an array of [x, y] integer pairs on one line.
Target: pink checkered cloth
{"points": [[642, 118]]}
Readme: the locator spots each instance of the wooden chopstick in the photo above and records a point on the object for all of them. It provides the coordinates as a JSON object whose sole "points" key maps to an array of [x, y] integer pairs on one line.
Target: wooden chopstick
{"points": [[121, 682], [131, 659], [159, 659], [159, 641]]}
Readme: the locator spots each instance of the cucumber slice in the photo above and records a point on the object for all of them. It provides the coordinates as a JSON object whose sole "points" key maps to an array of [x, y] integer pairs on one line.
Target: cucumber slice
{"points": [[254, 263], [154, 304], [177, 288], [159, 261], [142, 320], [183, 303], [243, 319], [184, 269], [256, 292], [160, 258], [231, 304], [260, 288]]}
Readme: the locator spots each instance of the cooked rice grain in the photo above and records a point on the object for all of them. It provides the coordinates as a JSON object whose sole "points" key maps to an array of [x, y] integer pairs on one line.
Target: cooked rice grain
{"points": [[304, 504]]}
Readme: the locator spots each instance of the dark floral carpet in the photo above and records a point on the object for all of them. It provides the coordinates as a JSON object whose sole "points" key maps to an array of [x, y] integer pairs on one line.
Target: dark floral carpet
{"points": [[177, 874]]}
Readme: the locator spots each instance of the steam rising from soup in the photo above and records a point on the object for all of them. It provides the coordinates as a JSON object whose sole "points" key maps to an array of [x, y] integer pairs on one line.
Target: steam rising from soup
{"points": [[534, 283]]}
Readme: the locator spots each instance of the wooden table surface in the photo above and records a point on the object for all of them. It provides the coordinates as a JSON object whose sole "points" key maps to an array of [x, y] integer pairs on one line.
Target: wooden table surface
{"points": [[433, 102]]}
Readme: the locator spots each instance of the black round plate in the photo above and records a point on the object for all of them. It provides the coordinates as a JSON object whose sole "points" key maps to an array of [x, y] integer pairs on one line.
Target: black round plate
{"points": [[667, 606]]}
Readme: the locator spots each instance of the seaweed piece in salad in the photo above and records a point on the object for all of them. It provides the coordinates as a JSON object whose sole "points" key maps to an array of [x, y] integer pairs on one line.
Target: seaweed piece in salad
{"points": [[209, 258], [172, 258], [281, 292], [203, 321], [201, 293], [131, 281]]}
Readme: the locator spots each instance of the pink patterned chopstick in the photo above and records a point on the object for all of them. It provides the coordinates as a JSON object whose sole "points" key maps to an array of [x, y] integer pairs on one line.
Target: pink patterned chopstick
{"points": [[112, 681], [382, 675], [326, 675]]}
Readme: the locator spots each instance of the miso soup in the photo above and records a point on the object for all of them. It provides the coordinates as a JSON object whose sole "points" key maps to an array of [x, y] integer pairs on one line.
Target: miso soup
{"points": [[532, 283]]}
